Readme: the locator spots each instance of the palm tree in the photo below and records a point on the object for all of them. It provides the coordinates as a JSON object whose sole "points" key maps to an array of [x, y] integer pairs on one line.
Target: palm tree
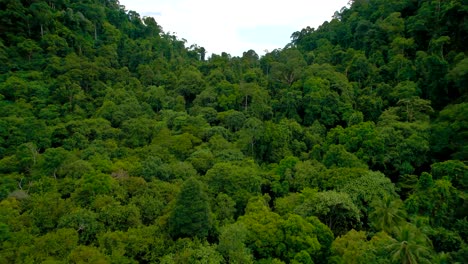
{"points": [[388, 214], [410, 246]]}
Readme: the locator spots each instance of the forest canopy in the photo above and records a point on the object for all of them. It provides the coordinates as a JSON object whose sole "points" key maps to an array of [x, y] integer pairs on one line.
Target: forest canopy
{"points": [[121, 144]]}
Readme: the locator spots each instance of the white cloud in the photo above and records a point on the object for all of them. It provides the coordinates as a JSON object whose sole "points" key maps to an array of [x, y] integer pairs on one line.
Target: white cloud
{"points": [[236, 26]]}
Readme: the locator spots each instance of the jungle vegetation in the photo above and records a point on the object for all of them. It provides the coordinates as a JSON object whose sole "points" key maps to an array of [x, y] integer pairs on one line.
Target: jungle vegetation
{"points": [[121, 144]]}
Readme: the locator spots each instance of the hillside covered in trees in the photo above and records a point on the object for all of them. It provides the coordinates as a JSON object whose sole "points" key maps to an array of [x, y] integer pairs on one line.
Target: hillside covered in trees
{"points": [[120, 144]]}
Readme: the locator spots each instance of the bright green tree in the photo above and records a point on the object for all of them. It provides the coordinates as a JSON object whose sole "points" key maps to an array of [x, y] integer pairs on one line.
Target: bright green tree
{"points": [[334, 209]]}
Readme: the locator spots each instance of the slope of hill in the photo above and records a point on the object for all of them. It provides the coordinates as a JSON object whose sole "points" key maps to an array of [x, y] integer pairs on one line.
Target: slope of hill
{"points": [[119, 144]]}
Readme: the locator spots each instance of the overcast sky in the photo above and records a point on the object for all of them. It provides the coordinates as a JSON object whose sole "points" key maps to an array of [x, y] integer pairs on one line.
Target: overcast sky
{"points": [[238, 25]]}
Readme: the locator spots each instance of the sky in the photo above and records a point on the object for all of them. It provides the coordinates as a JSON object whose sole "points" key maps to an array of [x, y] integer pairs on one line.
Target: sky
{"points": [[236, 26]]}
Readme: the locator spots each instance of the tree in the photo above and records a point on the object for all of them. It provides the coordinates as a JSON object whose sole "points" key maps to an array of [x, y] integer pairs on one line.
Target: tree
{"points": [[105, 117], [414, 108], [274, 141], [91, 186], [432, 70], [359, 69], [29, 47], [255, 100], [42, 13], [224, 209], [190, 83], [264, 235], [55, 245], [307, 174], [54, 159], [196, 251], [320, 103], [370, 187], [438, 200], [363, 140], [337, 156], [250, 135], [334, 209], [233, 120], [27, 155], [459, 75], [87, 254], [85, 222], [352, 247], [405, 145], [449, 132], [445, 240], [239, 181], [191, 214], [115, 216], [288, 68], [45, 210], [232, 244], [137, 132], [455, 170], [410, 246], [301, 238], [388, 214]]}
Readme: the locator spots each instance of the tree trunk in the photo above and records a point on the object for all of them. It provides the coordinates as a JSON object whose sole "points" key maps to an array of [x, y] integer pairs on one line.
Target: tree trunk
{"points": [[95, 32]]}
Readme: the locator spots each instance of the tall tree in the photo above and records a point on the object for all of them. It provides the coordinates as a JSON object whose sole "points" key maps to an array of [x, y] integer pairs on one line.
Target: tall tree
{"points": [[388, 213], [191, 214], [410, 246]]}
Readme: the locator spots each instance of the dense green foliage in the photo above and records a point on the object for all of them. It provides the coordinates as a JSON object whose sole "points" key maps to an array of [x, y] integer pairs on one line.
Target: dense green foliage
{"points": [[119, 144]]}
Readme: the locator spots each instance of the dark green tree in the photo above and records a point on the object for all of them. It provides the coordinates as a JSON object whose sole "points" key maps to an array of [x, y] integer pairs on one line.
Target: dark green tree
{"points": [[191, 214], [388, 214]]}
